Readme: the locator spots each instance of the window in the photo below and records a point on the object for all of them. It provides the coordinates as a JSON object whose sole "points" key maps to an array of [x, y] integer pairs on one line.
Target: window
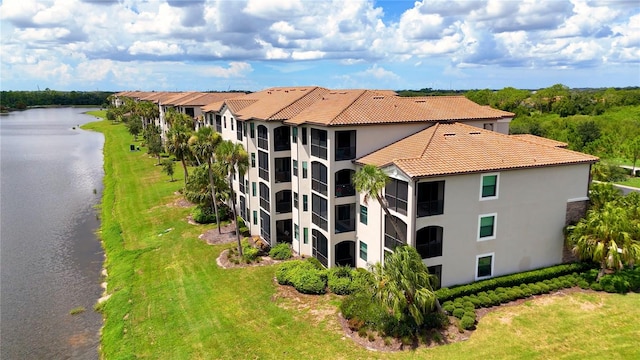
{"points": [[239, 131], [283, 202], [489, 188], [343, 183], [319, 143], [219, 123], [224, 121], [253, 188], [281, 138], [345, 145], [487, 227], [295, 167], [484, 266], [363, 251], [253, 160], [304, 136], [319, 247], [243, 207], [246, 186], [283, 169], [319, 177], [263, 137], [429, 241], [295, 200], [396, 193], [436, 271], [231, 120], [255, 217], [296, 231], [391, 238], [305, 203], [264, 196], [241, 185], [430, 198], [263, 165], [304, 169], [319, 210], [305, 233], [345, 218], [252, 130], [294, 135], [265, 225], [363, 214], [244, 129], [488, 126]]}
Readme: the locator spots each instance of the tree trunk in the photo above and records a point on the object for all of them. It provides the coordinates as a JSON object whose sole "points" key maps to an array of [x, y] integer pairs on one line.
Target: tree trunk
{"points": [[186, 173], [213, 196], [235, 216], [401, 235]]}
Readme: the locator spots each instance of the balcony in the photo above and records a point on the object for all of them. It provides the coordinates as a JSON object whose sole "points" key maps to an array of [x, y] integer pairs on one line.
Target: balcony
{"points": [[345, 146], [283, 170], [283, 202], [281, 138], [345, 153], [343, 183], [429, 208]]}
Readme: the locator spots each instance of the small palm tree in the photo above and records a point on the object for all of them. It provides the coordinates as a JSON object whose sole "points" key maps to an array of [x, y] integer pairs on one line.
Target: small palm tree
{"points": [[232, 157], [403, 284], [203, 145], [178, 145], [370, 181], [608, 236]]}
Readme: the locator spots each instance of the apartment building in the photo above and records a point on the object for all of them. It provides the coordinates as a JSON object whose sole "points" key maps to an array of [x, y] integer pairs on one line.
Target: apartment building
{"points": [[474, 201]]}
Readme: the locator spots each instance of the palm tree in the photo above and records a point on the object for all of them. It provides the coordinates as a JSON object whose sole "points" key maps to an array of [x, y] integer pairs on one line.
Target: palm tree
{"points": [[601, 194], [178, 146], [370, 181], [203, 145], [608, 236], [403, 284], [232, 156]]}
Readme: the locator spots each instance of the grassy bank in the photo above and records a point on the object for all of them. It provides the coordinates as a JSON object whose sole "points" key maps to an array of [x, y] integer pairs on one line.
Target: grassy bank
{"points": [[169, 299]]}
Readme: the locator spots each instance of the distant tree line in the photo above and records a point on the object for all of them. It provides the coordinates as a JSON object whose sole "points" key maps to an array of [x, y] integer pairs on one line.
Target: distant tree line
{"points": [[19, 100]]}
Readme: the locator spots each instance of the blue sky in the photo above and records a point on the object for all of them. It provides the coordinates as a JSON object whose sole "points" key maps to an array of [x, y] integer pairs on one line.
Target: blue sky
{"points": [[206, 45]]}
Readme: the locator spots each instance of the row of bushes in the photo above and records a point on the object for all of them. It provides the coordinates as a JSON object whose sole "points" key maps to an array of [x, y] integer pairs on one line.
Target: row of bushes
{"points": [[310, 277], [533, 276], [622, 281]]}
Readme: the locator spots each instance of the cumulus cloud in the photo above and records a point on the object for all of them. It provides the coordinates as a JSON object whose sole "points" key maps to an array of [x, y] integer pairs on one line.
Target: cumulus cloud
{"points": [[235, 69], [154, 48]]}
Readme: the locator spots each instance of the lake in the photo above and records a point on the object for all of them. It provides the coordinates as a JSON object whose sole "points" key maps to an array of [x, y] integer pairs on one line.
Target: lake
{"points": [[50, 183]]}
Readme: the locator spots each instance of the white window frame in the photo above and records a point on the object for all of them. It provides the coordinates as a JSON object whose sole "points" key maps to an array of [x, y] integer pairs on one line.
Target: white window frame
{"points": [[495, 226], [495, 197], [493, 262]]}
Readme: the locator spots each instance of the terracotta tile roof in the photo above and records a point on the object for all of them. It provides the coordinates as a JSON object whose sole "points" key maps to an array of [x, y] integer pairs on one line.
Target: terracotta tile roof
{"points": [[541, 140], [368, 107], [455, 148], [208, 98], [275, 103], [181, 98]]}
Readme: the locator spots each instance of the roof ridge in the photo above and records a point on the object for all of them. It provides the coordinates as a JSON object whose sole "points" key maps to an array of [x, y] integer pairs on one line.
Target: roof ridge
{"points": [[292, 102], [430, 139], [348, 106]]}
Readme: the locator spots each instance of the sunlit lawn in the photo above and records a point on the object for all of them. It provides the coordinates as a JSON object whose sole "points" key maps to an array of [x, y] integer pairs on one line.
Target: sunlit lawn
{"points": [[169, 299]]}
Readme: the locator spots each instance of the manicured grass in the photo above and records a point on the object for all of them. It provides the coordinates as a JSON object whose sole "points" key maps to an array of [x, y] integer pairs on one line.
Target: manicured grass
{"points": [[632, 181], [169, 299]]}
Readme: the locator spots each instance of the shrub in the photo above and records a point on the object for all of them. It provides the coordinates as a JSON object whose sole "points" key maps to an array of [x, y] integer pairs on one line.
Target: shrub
{"points": [[309, 281], [435, 320], [448, 308], [485, 301], [458, 312], [467, 322], [282, 251], [583, 284], [471, 314], [363, 306], [361, 279], [249, 253], [596, 286], [615, 283], [339, 285], [362, 332], [318, 265], [355, 324], [284, 271], [203, 215]]}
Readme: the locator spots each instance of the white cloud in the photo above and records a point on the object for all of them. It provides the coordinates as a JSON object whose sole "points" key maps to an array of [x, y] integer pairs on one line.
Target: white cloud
{"points": [[154, 48], [235, 69], [307, 55], [379, 73], [273, 9]]}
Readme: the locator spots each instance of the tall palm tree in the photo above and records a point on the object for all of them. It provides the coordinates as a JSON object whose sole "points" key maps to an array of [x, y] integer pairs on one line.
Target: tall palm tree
{"points": [[403, 284], [370, 181], [232, 156], [178, 146], [203, 145], [606, 236]]}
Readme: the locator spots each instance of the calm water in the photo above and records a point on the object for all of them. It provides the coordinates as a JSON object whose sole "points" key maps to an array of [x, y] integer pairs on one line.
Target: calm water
{"points": [[50, 258]]}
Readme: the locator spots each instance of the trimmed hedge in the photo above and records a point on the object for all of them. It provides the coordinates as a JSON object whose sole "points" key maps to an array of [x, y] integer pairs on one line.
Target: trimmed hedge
{"points": [[303, 276], [533, 276]]}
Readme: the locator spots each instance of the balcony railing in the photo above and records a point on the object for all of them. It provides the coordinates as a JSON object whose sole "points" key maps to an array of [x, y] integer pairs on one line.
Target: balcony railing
{"points": [[345, 190], [429, 208], [345, 153], [264, 203], [283, 176], [283, 207], [319, 151], [345, 225], [319, 186], [264, 174], [321, 257], [319, 220], [391, 243]]}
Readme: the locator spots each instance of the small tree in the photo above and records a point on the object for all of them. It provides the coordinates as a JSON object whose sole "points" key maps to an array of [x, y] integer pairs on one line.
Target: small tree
{"points": [[168, 168], [403, 284]]}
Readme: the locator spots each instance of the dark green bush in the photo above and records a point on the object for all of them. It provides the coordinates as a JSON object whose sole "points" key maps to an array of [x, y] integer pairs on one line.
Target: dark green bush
{"points": [[467, 322], [362, 305], [615, 283], [203, 215], [583, 284], [436, 320], [458, 312], [471, 314], [361, 279], [485, 301], [282, 251], [448, 308], [596, 286], [533, 276], [249, 253]]}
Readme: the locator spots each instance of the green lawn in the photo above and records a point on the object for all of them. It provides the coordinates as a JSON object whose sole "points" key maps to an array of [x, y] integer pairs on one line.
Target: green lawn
{"points": [[169, 299]]}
